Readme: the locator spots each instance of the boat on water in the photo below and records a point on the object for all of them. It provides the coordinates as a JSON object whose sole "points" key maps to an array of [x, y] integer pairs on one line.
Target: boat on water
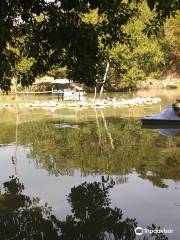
{"points": [[170, 116]]}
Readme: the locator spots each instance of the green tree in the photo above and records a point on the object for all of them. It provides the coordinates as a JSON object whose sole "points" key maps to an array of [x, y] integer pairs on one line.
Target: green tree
{"points": [[145, 57], [13, 16], [61, 36]]}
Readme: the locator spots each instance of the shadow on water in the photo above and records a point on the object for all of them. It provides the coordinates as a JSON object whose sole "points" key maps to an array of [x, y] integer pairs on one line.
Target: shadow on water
{"points": [[92, 218]]}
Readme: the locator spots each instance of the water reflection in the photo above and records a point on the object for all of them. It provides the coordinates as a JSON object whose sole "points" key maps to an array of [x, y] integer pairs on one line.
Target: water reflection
{"points": [[21, 218], [111, 146], [90, 144], [169, 132], [92, 217]]}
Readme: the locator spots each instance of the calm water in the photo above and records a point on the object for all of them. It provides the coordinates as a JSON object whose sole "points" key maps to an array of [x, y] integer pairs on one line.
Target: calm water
{"points": [[88, 174]]}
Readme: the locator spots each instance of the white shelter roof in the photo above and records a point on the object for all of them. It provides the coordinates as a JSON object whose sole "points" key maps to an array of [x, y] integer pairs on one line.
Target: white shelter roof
{"points": [[61, 81]]}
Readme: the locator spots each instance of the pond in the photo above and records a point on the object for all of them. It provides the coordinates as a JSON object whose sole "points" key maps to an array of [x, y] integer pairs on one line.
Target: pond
{"points": [[88, 174]]}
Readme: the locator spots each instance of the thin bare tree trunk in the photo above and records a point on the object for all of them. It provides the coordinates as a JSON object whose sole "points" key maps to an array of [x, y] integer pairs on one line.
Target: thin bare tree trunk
{"points": [[104, 79], [95, 92], [14, 158], [107, 130], [16, 143], [99, 132]]}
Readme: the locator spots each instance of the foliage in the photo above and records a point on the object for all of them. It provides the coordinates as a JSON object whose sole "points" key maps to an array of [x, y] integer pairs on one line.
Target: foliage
{"points": [[13, 15], [56, 33], [71, 41], [172, 30], [143, 58], [163, 10]]}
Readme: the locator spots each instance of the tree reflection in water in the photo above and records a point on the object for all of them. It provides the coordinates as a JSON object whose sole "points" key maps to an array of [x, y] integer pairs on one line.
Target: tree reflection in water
{"points": [[22, 218]]}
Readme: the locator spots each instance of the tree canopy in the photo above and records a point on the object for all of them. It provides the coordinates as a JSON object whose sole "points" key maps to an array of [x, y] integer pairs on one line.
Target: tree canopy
{"points": [[56, 33]]}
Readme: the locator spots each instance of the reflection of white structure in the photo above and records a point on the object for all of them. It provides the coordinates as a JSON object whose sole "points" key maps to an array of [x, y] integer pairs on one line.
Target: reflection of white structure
{"points": [[169, 132], [67, 89]]}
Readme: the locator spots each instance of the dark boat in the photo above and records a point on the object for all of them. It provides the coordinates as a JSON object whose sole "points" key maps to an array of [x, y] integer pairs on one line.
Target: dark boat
{"points": [[169, 117]]}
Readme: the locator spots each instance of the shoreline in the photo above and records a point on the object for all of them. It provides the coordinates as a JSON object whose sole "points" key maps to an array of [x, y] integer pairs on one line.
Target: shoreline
{"points": [[99, 103]]}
